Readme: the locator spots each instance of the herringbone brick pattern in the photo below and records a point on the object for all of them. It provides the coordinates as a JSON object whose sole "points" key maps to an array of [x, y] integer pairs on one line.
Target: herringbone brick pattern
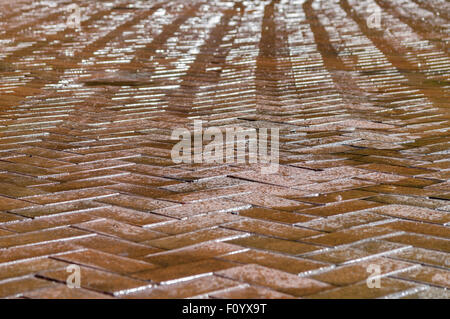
{"points": [[87, 179]]}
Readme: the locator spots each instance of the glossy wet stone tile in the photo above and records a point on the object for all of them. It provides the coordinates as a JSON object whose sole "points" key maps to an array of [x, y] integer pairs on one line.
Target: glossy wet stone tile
{"points": [[175, 227], [276, 261], [340, 208], [422, 241], [270, 229], [347, 236], [424, 256], [63, 292], [341, 221], [414, 213], [10, 203], [18, 287], [191, 209], [430, 293], [54, 209], [428, 275], [115, 246], [354, 273], [128, 216], [99, 280], [48, 222], [57, 234], [274, 244], [250, 292], [418, 228], [191, 238], [337, 197], [100, 260], [362, 291], [186, 289], [184, 271], [275, 215], [120, 230], [274, 279], [22, 268], [191, 253]]}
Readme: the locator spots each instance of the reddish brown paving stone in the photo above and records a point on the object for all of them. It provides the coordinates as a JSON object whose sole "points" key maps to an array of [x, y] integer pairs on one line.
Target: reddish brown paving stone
{"points": [[120, 230], [186, 289], [275, 215], [54, 209], [203, 207], [48, 222], [435, 230], [354, 273], [395, 169], [275, 261], [129, 216], [362, 291], [16, 254], [184, 271], [64, 292], [414, 213], [424, 256], [340, 208], [135, 202], [7, 189], [9, 203], [218, 182], [274, 244], [341, 221], [428, 275], [336, 197], [74, 185], [21, 268], [347, 236], [270, 229], [191, 253], [100, 281], [191, 238], [104, 261], [409, 200], [18, 287], [430, 293], [194, 223], [333, 186], [4, 232], [115, 246], [49, 235], [212, 194], [274, 279], [379, 246], [68, 196], [422, 241], [250, 293], [273, 202]]}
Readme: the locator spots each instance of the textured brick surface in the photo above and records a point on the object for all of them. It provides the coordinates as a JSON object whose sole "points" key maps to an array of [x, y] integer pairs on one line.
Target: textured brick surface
{"points": [[87, 179]]}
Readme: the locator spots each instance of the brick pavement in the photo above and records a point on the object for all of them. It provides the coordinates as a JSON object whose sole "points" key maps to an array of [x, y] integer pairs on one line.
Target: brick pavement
{"points": [[87, 178]]}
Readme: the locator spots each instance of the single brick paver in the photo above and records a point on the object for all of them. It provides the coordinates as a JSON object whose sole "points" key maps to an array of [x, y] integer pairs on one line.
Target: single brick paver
{"points": [[87, 177]]}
